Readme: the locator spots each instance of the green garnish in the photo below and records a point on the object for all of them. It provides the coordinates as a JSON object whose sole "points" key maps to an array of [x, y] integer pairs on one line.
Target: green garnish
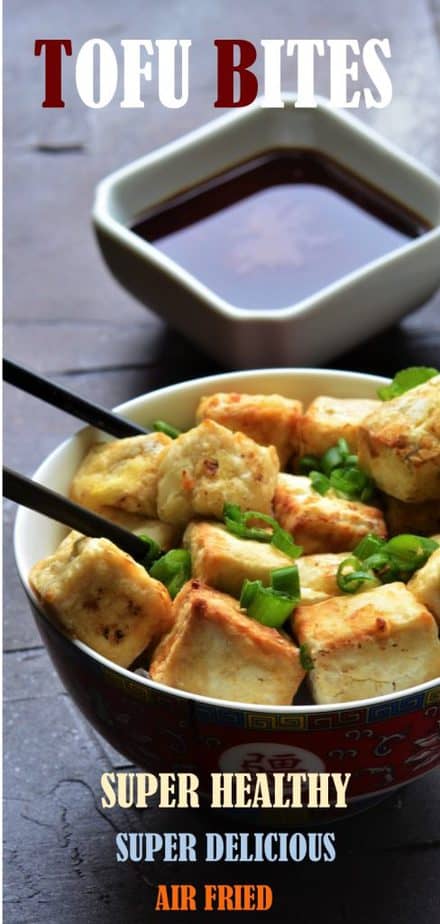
{"points": [[375, 561], [272, 605], [320, 482], [351, 576], [153, 550], [338, 469], [405, 380], [305, 657], [236, 522], [161, 426], [308, 464], [173, 569]]}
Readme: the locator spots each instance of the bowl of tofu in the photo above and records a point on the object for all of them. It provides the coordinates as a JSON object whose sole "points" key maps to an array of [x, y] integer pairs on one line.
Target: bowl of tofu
{"points": [[283, 619]]}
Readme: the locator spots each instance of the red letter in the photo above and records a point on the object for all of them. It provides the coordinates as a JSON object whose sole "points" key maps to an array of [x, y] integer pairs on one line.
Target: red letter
{"points": [[226, 70], [54, 70]]}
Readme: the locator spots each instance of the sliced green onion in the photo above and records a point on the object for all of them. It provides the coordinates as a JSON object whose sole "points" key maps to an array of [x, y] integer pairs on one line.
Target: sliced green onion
{"points": [[369, 545], [410, 552], [351, 576], [152, 550], [305, 657], [236, 522], [344, 448], [270, 607], [284, 542], [405, 380], [352, 482], [161, 426], [331, 459], [286, 581], [173, 570], [308, 464], [320, 482], [248, 592]]}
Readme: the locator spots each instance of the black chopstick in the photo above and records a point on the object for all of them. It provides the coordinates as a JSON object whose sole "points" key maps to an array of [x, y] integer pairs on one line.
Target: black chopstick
{"points": [[36, 497], [65, 400]]}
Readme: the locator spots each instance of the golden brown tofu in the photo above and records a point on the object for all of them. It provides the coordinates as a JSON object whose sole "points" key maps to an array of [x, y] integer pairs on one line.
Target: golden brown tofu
{"points": [[224, 561], [329, 419], [214, 649], [317, 576], [323, 523], [399, 444], [369, 644], [165, 534], [210, 465], [268, 419], [425, 584], [102, 597], [121, 473]]}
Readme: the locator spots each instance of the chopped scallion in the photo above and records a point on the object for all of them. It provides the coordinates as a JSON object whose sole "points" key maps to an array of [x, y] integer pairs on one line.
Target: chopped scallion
{"points": [[405, 380], [173, 570], [161, 426]]}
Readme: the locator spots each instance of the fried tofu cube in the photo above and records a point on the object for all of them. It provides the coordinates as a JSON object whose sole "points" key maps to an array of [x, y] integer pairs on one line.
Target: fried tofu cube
{"points": [[214, 649], [399, 444], [317, 576], [122, 473], [421, 519], [224, 561], [210, 465], [166, 535], [101, 596], [369, 644], [425, 584], [327, 420], [323, 523], [270, 420]]}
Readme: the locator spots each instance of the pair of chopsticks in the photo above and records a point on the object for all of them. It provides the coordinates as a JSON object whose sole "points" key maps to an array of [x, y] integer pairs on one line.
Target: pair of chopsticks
{"points": [[43, 500]]}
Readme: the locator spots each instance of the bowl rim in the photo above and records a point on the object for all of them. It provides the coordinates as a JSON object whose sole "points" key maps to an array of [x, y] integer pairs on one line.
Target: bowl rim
{"points": [[208, 701], [104, 219]]}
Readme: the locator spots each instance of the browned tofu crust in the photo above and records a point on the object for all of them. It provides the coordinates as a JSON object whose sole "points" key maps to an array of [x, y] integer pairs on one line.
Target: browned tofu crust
{"points": [[268, 419], [214, 649], [209, 465], [399, 444], [329, 419], [122, 474], [101, 596], [368, 644], [323, 523]]}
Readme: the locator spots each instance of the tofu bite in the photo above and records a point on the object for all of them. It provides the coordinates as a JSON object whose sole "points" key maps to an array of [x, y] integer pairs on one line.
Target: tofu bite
{"points": [[214, 649], [369, 644], [166, 535], [102, 597], [323, 523], [210, 465], [399, 444], [326, 420], [317, 576], [421, 519], [224, 561], [122, 473], [270, 420], [425, 584]]}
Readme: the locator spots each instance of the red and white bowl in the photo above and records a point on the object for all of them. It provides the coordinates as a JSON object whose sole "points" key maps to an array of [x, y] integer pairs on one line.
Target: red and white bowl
{"points": [[383, 742]]}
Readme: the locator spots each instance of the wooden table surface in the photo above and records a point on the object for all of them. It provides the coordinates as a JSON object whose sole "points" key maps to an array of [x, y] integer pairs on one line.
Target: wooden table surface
{"points": [[65, 316]]}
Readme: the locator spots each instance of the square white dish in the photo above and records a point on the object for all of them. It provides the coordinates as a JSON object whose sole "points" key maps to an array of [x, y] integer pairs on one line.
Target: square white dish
{"points": [[318, 327]]}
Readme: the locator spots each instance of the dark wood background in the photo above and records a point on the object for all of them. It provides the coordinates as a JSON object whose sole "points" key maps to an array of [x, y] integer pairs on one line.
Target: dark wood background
{"points": [[65, 316]]}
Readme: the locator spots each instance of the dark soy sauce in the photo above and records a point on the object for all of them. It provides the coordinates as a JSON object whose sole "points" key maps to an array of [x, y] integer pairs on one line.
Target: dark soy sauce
{"points": [[276, 229]]}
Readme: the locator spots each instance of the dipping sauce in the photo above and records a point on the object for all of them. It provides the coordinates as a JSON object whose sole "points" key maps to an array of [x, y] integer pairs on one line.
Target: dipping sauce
{"points": [[277, 228]]}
